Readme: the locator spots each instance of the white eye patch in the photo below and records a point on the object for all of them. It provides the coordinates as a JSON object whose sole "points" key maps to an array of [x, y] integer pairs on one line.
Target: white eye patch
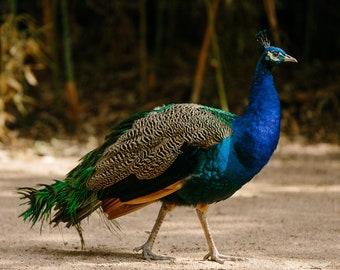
{"points": [[273, 56]]}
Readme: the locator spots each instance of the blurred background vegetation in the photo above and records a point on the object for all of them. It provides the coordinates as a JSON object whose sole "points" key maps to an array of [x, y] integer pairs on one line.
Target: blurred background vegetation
{"points": [[74, 68]]}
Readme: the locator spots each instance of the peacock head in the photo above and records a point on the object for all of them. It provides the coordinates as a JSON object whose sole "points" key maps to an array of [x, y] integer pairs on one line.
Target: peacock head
{"points": [[272, 56]]}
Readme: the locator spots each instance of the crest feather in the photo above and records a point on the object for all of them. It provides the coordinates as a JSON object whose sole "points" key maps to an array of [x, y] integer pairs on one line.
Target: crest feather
{"points": [[262, 38]]}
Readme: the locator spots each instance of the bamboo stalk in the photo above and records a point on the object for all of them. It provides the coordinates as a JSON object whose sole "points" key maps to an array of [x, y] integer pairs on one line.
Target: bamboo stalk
{"points": [[218, 66], [13, 7], [50, 10], [152, 81], [55, 66], [70, 85], [143, 51], [202, 58], [269, 6], [217, 58], [47, 19]]}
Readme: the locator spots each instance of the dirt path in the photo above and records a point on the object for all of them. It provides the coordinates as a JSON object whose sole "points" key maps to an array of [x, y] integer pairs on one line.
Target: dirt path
{"points": [[288, 217]]}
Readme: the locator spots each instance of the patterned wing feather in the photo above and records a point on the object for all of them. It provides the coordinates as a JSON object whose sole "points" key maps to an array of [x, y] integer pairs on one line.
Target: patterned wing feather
{"points": [[154, 142]]}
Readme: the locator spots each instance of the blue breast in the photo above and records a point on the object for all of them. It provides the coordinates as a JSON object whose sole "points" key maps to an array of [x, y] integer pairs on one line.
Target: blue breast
{"points": [[226, 167], [218, 175]]}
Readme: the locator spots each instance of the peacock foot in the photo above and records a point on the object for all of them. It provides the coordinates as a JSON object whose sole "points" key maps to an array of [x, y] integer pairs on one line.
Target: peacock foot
{"points": [[149, 255], [220, 258]]}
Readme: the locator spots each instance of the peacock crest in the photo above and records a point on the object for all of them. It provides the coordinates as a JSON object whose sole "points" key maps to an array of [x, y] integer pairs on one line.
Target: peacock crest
{"points": [[262, 38]]}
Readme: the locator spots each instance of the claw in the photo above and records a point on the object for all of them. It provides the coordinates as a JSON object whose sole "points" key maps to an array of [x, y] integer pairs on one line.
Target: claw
{"points": [[220, 258], [149, 255]]}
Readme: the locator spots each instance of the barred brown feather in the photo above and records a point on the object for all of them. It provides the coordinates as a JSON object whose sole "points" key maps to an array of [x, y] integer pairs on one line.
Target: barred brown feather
{"points": [[154, 142]]}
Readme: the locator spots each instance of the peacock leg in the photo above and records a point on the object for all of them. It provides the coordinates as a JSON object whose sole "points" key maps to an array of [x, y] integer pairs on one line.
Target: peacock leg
{"points": [[147, 247], [213, 254]]}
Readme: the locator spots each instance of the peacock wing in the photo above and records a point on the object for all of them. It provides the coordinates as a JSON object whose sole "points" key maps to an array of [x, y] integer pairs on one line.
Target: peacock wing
{"points": [[153, 142]]}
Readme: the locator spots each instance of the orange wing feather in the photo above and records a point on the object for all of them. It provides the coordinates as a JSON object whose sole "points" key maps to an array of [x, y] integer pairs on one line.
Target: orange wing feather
{"points": [[114, 208]]}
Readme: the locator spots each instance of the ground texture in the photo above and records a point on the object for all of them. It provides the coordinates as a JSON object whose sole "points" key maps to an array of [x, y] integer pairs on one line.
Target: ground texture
{"points": [[288, 217]]}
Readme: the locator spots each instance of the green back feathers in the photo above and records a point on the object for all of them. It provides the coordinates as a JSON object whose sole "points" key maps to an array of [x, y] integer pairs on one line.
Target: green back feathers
{"points": [[225, 117]]}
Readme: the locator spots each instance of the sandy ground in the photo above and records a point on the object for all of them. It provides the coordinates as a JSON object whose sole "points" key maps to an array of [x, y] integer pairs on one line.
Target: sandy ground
{"points": [[288, 217]]}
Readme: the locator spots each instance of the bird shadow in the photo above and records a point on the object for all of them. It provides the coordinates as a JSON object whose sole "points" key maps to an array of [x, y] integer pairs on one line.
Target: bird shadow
{"points": [[87, 254]]}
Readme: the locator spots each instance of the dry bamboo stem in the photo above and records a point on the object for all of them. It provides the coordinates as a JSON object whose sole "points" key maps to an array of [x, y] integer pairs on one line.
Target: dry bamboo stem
{"points": [[202, 58]]}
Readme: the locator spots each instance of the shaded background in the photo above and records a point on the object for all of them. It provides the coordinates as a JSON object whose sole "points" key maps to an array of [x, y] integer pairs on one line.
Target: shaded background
{"points": [[75, 68]]}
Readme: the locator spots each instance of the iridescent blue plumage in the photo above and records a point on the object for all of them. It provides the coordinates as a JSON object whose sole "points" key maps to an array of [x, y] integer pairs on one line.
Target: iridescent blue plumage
{"points": [[226, 167], [181, 154]]}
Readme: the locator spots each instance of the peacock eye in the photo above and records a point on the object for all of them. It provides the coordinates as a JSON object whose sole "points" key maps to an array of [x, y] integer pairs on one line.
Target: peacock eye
{"points": [[275, 54]]}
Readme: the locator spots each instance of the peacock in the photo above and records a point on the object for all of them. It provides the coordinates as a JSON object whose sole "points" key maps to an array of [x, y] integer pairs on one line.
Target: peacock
{"points": [[181, 154]]}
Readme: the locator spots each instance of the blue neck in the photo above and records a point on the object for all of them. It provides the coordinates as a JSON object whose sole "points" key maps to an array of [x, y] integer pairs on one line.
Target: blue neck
{"points": [[256, 133], [239, 157]]}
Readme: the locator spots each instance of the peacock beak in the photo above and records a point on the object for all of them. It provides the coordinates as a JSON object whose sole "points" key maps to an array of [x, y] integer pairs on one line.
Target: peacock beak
{"points": [[289, 58]]}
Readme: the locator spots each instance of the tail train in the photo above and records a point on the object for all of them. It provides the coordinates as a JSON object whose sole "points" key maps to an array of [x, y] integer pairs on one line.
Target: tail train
{"points": [[68, 202]]}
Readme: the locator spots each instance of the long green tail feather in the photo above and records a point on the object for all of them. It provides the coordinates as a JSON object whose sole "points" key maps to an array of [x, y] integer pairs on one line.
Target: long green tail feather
{"points": [[67, 204], [70, 201], [67, 201]]}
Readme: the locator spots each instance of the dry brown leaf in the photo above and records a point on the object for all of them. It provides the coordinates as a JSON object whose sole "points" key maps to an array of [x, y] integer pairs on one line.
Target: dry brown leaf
{"points": [[12, 82], [31, 79]]}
